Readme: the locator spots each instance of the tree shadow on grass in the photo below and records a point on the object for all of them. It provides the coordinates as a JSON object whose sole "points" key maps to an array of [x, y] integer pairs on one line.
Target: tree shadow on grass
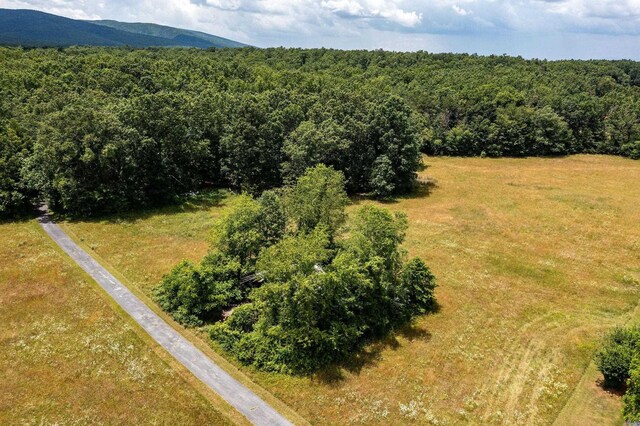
{"points": [[612, 390], [194, 202], [371, 354], [20, 218], [423, 188]]}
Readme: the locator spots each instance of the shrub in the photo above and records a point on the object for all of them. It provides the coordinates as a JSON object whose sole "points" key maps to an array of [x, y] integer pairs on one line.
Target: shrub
{"points": [[418, 285], [632, 397], [181, 293], [615, 356], [314, 310], [13, 152], [192, 294]]}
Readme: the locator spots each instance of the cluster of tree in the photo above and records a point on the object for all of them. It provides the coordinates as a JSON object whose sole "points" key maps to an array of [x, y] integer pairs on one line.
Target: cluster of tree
{"points": [[92, 130], [619, 362], [304, 292]]}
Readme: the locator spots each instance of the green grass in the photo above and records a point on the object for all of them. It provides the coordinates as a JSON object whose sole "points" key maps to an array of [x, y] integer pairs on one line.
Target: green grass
{"points": [[530, 256], [70, 356]]}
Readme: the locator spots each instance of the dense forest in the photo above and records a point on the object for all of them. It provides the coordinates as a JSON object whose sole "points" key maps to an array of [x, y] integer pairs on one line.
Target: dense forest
{"points": [[96, 130]]}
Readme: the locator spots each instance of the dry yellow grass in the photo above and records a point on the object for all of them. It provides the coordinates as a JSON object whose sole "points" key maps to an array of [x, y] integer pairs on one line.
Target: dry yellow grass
{"points": [[68, 357], [535, 259]]}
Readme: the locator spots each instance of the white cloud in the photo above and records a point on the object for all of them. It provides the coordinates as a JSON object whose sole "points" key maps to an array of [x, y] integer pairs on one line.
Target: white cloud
{"points": [[386, 9], [459, 10], [369, 23]]}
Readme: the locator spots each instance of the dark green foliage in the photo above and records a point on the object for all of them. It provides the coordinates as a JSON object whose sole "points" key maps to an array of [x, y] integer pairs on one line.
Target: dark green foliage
{"points": [[14, 196], [310, 296], [318, 200], [418, 285], [272, 221], [382, 178], [250, 227], [294, 255], [519, 131], [321, 301], [311, 144], [104, 130], [618, 360], [632, 397], [192, 293], [252, 145], [616, 354], [395, 148]]}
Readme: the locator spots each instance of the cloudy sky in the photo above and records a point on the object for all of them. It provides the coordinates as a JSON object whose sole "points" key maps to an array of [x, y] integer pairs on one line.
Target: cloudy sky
{"points": [[531, 28]]}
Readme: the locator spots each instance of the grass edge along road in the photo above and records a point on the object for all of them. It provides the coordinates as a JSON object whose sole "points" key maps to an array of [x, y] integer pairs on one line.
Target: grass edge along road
{"points": [[191, 335], [243, 399], [69, 354]]}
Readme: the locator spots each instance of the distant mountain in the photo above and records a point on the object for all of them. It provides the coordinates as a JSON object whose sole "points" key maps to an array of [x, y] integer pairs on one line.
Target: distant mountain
{"points": [[189, 37], [31, 28]]}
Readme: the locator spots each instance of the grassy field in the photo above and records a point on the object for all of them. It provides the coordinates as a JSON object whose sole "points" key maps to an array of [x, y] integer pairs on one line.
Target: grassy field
{"points": [[535, 259], [67, 356]]}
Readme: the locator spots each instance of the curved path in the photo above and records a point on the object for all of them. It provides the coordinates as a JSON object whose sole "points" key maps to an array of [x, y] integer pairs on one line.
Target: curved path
{"points": [[236, 394]]}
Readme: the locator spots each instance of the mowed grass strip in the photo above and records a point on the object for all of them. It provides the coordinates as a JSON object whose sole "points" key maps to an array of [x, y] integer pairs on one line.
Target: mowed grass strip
{"points": [[67, 357], [535, 259]]}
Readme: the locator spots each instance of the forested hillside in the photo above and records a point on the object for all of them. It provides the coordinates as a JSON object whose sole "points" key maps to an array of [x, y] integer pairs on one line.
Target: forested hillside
{"points": [[32, 28], [93, 130]]}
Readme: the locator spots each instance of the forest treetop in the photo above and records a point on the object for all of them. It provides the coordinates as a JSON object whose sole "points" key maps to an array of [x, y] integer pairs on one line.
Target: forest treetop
{"points": [[94, 130]]}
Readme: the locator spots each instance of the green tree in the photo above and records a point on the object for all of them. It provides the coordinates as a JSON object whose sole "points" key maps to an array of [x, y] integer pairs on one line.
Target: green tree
{"points": [[14, 194], [396, 143], [250, 226], [311, 144], [318, 199], [294, 255], [418, 285], [616, 354], [521, 131], [192, 294], [632, 397], [252, 144]]}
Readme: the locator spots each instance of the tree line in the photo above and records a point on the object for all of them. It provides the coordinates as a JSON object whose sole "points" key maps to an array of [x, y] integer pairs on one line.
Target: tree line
{"points": [[96, 130], [299, 290]]}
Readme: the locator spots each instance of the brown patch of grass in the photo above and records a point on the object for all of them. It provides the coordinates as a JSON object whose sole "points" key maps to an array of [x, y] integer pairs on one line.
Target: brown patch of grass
{"points": [[67, 357], [535, 259]]}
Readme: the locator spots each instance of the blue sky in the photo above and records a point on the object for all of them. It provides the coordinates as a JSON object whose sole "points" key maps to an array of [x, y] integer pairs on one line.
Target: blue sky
{"points": [[550, 29]]}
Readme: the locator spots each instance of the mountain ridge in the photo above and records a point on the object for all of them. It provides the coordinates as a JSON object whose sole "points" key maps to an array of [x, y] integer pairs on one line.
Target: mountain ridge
{"points": [[32, 28]]}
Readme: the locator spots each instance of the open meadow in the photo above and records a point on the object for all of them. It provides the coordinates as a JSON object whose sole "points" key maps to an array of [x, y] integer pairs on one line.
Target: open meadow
{"points": [[69, 357], [535, 259]]}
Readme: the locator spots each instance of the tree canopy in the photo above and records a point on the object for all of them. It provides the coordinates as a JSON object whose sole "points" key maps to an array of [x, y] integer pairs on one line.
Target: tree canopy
{"points": [[313, 293], [98, 130]]}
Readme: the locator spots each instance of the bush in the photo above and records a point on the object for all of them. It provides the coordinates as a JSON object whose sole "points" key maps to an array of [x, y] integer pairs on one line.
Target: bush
{"points": [[182, 294], [616, 354], [192, 294], [318, 306], [632, 397], [249, 227], [418, 285]]}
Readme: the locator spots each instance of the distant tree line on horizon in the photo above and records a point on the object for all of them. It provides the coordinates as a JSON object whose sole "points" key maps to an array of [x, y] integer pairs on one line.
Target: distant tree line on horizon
{"points": [[97, 130]]}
